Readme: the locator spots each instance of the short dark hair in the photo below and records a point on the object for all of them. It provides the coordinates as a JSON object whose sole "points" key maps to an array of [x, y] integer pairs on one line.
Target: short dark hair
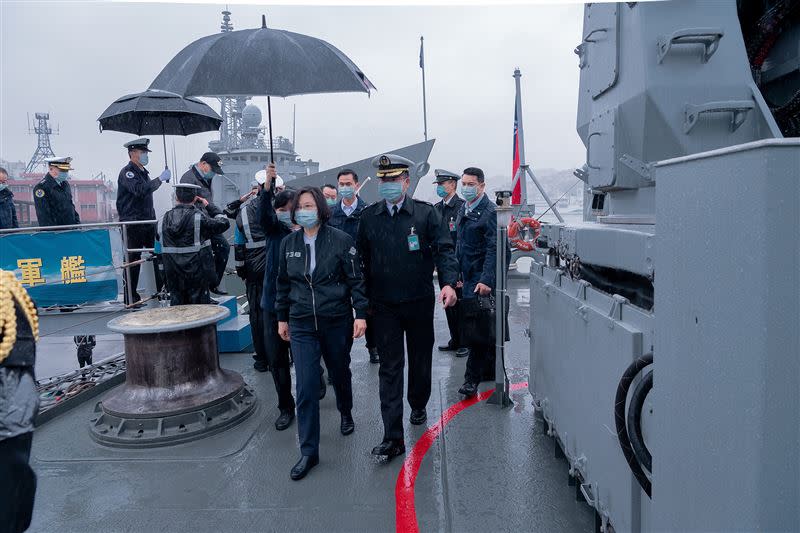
{"points": [[184, 195], [345, 172], [4, 171], [284, 197], [474, 171], [323, 211], [328, 186]]}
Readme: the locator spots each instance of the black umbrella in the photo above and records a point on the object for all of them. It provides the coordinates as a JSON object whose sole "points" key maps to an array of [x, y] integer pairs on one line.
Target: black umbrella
{"points": [[156, 112], [261, 61]]}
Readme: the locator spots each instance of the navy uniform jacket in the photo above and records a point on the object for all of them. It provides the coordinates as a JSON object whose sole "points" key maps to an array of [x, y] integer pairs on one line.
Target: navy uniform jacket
{"points": [[8, 215], [394, 273], [135, 193], [53, 202], [449, 214], [476, 246], [347, 224]]}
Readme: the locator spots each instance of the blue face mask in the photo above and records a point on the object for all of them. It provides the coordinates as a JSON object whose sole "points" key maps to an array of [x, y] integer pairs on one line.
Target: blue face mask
{"points": [[286, 218], [330, 201], [347, 192], [441, 191], [3, 186], [469, 192], [62, 176], [144, 159], [209, 175], [391, 191], [306, 217]]}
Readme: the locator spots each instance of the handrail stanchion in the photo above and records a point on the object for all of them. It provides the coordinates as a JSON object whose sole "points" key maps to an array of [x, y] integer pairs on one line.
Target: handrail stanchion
{"points": [[501, 395], [125, 259]]}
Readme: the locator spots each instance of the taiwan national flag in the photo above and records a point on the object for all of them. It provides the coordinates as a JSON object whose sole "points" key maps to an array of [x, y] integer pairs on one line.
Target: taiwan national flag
{"points": [[516, 194]]}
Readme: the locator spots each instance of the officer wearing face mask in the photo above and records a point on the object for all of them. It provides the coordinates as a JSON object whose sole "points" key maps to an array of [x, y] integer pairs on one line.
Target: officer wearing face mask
{"points": [[135, 202], [330, 193], [52, 196], [446, 184], [401, 240], [201, 174]]}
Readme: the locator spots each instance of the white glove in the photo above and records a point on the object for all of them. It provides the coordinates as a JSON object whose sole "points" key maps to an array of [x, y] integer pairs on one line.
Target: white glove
{"points": [[166, 175]]}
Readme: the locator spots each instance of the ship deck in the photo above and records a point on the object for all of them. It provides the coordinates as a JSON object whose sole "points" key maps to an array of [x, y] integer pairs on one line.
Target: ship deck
{"points": [[485, 468]]}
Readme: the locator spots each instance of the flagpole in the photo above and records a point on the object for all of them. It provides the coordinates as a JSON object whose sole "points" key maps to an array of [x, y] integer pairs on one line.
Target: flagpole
{"points": [[424, 102]]}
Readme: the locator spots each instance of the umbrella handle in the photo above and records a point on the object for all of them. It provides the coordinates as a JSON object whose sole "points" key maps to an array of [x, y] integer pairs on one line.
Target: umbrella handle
{"points": [[164, 138]]}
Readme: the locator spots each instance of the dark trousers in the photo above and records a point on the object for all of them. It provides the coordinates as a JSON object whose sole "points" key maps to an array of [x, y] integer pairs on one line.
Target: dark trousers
{"points": [[369, 335], [18, 485], [277, 352], [331, 341], [221, 250], [451, 313], [256, 317], [480, 363], [139, 236], [192, 295], [411, 322]]}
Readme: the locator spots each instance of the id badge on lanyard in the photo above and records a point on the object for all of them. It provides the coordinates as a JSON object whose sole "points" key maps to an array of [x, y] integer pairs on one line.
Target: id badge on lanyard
{"points": [[452, 224], [413, 241]]}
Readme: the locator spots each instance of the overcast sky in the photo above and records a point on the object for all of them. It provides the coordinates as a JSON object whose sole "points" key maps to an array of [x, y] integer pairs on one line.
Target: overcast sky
{"points": [[73, 59]]}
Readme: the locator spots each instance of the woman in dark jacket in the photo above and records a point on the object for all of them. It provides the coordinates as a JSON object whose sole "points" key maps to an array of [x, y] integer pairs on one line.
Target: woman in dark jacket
{"points": [[319, 285], [275, 219]]}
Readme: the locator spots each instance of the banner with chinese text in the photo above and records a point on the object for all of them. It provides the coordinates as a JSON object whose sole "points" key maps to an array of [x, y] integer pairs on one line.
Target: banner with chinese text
{"points": [[62, 267]]}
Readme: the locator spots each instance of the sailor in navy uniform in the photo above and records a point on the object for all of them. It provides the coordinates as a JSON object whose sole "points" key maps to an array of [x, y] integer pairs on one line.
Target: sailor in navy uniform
{"points": [[52, 196], [135, 202], [449, 206], [184, 243], [401, 240]]}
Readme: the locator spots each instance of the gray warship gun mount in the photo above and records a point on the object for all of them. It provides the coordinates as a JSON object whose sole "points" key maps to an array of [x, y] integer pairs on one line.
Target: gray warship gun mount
{"points": [[686, 262]]}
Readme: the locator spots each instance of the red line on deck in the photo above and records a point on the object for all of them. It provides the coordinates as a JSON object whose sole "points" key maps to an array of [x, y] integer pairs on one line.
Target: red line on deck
{"points": [[405, 511]]}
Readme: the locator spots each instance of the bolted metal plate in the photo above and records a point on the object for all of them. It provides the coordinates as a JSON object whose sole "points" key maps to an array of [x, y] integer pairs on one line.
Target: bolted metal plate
{"points": [[167, 319], [129, 432]]}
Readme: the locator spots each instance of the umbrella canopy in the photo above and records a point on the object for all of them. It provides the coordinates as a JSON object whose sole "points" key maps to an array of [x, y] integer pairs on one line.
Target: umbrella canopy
{"points": [[156, 112], [260, 62]]}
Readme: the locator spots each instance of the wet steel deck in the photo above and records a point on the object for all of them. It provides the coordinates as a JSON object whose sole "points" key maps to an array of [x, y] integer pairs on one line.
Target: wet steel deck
{"points": [[490, 469]]}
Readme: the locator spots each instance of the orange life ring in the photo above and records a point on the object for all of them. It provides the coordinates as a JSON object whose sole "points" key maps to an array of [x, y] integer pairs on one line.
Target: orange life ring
{"points": [[515, 228]]}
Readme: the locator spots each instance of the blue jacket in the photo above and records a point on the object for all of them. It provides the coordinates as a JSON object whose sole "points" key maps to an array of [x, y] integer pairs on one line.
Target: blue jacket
{"points": [[8, 215], [476, 246], [274, 231], [135, 193], [347, 224]]}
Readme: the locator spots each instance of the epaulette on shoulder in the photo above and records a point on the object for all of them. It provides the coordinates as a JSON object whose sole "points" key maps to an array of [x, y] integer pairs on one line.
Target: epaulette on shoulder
{"points": [[423, 202]]}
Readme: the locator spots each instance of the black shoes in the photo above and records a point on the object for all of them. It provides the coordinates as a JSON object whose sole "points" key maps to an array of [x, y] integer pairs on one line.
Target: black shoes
{"points": [[284, 420], [462, 352], [347, 426], [389, 449], [304, 466], [468, 389], [218, 291], [374, 358], [449, 347], [261, 366], [418, 416], [323, 385]]}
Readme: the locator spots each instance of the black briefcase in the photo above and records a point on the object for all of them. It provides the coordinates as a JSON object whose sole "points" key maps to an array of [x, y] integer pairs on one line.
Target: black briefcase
{"points": [[478, 320]]}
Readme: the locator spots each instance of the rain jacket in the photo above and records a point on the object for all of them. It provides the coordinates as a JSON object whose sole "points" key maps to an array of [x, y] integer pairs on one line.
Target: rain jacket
{"points": [[250, 243], [183, 241], [53, 202], [274, 232], [332, 290], [19, 400], [8, 215], [476, 246]]}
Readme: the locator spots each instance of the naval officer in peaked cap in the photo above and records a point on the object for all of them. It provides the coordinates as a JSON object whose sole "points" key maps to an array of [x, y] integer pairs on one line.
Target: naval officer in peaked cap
{"points": [[184, 242], [401, 240], [135, 202], [52, 197], [448, 207]]}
